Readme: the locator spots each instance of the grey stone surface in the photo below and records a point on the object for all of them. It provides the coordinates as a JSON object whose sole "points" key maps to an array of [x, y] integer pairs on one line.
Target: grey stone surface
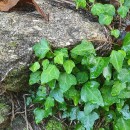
{"points": [[19, 31]]}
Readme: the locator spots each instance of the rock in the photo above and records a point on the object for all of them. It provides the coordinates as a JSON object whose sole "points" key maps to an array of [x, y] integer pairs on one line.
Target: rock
{"points": [[19, 31]]}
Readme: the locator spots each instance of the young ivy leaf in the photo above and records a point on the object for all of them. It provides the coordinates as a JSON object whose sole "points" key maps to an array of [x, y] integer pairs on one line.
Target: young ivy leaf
{"points": [[59, 58], [117, 58], [80, 3], [109, 9], [97, 9], [41, 48], [122, 11], [91, 94], [66, 81], [34, 77], [45, 63], [49, 103], [84, 48], [115, 33], [105, 19], [107, 72], [117, 88], [49, 74], [35, 67], [68, 66]]}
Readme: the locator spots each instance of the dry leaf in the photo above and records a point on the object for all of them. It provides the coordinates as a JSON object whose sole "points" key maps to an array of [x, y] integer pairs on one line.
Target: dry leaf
{"points": [[6, 5]]}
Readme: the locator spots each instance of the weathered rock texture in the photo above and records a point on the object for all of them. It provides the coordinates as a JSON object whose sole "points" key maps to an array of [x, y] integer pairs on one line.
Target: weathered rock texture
{"points": [[19, 31]]}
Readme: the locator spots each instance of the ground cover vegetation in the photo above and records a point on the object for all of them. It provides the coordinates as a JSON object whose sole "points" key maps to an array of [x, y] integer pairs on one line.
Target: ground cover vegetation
{"points": [[78, 86]]}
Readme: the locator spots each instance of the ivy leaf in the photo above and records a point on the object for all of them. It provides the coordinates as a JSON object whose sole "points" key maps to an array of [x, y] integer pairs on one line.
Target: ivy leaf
{"points": [[87, 120], [40, 114], [49, 74], [83, 49], [122, 11], [73, 94], [98, 67], [124, 75], [116, 58], [64, 51], [126, 43], [89, 108], [80, 3], [68, 66], [49, 103], [57, 95], [107, 72], [66, 81], [59, 58], [73, 113], [107, 97], [122, 124], [117, 88], [91, 94], [115, 33], [97, 9], [126, 112], [35, 67], [45, 63], [34, 77], [81, 77], [105, 19], [41, 48], [124, 94], [127, 3], [109, 9]]}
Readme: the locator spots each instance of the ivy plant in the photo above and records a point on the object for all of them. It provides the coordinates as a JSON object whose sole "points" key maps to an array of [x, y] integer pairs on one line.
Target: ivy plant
{"points": [[82, 86]]}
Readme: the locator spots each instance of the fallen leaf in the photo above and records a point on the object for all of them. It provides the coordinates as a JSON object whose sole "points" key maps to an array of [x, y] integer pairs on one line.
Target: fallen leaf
{"points": [[6, 5]]}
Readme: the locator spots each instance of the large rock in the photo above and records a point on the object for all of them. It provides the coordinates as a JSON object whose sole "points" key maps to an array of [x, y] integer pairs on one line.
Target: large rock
{"points": [[19, 31]]}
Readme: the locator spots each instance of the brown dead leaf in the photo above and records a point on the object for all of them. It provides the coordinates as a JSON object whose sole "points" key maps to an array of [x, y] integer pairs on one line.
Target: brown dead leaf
{"points": [[6, 5]]}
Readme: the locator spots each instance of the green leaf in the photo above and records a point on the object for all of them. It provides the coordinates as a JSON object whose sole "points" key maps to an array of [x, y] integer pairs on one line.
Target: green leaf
{"points": [[122, 11], [35, 67], [49, 74], [97, 9], [87, 120], [92, 1], [57, 95], [105, 19], [41, 48], [124, 94], [126, 112], [41, 94], [107, 72], [109, 9], [122, 124], [98, 66], [68, 66], [117, 58], [117, 88], [40, 114], [89, 108], [81, 77], [49, 103], [66, 81], [127, 3], [80, 3], [79, 127], [126, 44], [64, 51], [107, 97], [52, 84], [45, 63], [83, 49], [115, 33], [91, 94], [59, 58], [73, 94], [124, 75], [35, 77], [73, 113]]}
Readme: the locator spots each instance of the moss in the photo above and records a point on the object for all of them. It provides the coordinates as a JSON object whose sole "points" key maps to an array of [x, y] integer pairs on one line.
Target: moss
{"points": [[54, 125], [4, 111], [17, 80]]}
